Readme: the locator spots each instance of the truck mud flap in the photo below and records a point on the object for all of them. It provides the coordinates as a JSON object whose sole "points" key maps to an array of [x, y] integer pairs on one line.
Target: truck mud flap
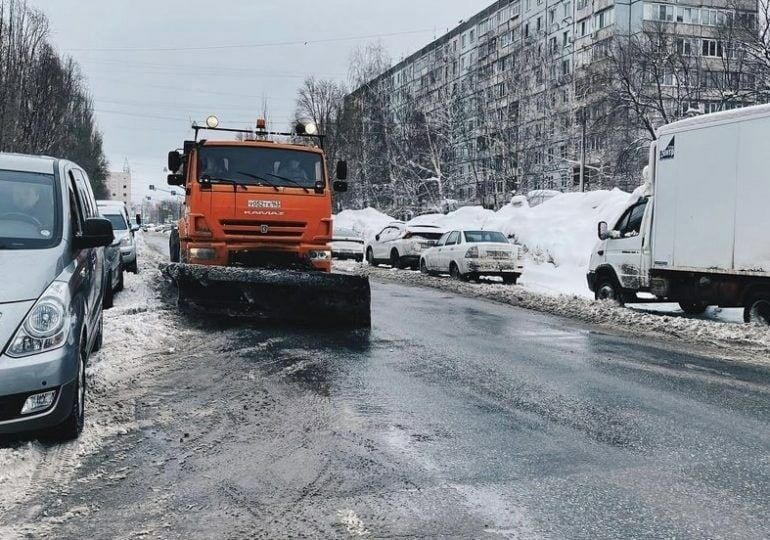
{"points": [[311, 298]]}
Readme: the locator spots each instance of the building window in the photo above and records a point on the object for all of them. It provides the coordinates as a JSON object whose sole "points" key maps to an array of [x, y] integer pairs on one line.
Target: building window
{"points": [[473, 36], [565, 38], [526, 29], [567, 9], [712, 47], [684, 47], [605, 18], [565, 67], [551, 16], [659, 12], [584, 27], [539, 23], [687, 15], [515, 9]]}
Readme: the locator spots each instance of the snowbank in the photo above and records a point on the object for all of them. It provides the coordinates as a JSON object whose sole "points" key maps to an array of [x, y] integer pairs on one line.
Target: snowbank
{"points": [[368, 221]]}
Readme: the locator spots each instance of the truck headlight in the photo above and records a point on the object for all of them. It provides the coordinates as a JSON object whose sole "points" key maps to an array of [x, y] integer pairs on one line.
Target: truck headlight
{"points": [[320, 255], [47, 325], [203, 254]]}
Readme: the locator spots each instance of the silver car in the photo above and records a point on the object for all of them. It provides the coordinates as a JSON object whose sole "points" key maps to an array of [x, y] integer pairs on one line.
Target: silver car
{"points": [[52, 261], [124, 231]]}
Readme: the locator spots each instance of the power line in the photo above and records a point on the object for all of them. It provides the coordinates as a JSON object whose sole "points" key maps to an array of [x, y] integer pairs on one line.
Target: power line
{"points": [[250, 45]]}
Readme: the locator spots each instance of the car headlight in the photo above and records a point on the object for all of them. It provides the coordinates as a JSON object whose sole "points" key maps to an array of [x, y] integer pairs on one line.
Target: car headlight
{"points": [[126, 242], [472, 253], [47, 325]]}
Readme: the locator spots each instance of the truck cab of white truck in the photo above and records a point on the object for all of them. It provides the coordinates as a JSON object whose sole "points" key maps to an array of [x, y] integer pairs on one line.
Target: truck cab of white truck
{"points": [[697, 232]]}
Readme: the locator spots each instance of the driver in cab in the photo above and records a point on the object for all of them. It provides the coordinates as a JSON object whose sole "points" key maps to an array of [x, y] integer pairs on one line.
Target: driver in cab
{"points": [[25, 207], [293, 171]]}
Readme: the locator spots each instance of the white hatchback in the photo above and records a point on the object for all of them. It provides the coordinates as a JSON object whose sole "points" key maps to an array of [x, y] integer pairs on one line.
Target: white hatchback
{"points": [[401, 245], [470, 254]]}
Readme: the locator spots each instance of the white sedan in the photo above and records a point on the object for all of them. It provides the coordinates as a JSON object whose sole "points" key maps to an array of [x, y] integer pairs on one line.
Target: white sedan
{"points": [[470, 254], [401, 245], [347, 244]]}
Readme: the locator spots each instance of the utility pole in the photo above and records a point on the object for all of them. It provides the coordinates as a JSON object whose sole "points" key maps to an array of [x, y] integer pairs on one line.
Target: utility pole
{"points": [[583, 152]]}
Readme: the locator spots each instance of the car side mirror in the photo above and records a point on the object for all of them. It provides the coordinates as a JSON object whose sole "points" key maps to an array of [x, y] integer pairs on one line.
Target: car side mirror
{"points": [[135, 228], [342, 170], [603, 230], [340, 186], [174, 161], [138, 219], [176, 180], [97, 232]]}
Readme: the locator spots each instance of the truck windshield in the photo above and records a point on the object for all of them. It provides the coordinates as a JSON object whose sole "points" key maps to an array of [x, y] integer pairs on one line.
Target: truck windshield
{"points": [[260, 166], [29, 211]]}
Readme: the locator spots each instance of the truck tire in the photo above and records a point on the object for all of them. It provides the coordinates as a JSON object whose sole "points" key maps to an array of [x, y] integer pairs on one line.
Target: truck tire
{"points": [[757, 309], [173, 246], [693, 308], [608, 289]]}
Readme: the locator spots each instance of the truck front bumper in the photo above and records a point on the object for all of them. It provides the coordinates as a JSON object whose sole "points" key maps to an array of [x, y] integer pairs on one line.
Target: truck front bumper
{"points": [[591, 278]]}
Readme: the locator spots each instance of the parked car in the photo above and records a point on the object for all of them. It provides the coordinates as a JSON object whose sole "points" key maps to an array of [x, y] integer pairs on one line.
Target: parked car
{"points": [[117, 213], [470, 254], [347, 244], [401, 245], [52, 242]]}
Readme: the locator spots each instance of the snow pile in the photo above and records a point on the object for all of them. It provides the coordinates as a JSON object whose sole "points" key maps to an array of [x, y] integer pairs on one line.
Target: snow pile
{"points": [[368, 221], [467, 217]]}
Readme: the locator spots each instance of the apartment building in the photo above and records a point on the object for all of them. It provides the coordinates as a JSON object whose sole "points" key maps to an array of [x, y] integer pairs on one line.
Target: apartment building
{"points": [[514, 92], [119, 186]]}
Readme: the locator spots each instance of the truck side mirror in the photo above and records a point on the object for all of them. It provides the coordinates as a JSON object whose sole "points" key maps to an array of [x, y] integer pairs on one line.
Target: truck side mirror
{"points": [[340, 186], [342, 170], [174, 161], [176, 180], [603, 230]]}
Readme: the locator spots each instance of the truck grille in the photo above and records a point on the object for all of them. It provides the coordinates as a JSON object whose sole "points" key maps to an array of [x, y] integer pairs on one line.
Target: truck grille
{"points": [[284, 230]]}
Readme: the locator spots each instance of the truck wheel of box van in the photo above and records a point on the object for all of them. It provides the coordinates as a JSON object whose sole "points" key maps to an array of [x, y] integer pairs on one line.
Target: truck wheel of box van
{"points": [[757, 309], [72, 427], [607, 288]]}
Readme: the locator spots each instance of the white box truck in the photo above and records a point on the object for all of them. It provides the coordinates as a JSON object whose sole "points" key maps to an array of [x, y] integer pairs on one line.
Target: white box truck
{"points": [[699, 235]]}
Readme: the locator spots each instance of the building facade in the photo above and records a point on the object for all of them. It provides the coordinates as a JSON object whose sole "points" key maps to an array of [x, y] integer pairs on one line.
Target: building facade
{"points": [[511, 100], [119, 186]]}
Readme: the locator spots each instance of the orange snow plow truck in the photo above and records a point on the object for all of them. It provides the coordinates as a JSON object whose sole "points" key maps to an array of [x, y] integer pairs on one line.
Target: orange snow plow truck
{"points": [[253, 240]]}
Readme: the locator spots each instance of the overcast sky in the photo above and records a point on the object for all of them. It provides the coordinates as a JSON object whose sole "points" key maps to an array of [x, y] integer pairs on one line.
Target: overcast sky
{"points": [[149, 81]]}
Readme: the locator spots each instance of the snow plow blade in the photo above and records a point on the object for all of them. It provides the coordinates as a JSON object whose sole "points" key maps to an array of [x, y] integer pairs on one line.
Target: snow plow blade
{"points": [[313, 298]]}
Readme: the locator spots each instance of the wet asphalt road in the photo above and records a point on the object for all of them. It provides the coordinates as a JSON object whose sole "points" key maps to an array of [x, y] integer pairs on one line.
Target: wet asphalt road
{"points": [[454, 417]]}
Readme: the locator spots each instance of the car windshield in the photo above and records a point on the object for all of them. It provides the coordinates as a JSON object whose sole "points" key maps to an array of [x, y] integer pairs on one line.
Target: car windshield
{"points": [[118, 222], [260, 166], [493, 237], [29, 211], [345, 233]]}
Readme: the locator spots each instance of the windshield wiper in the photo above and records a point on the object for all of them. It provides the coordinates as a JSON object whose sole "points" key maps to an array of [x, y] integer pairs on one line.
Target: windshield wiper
{"points": [[289, 180], [261, 179], [235, 183]]}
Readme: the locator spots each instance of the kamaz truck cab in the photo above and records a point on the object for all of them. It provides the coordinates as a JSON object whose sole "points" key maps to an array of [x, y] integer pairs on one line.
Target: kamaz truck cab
{"points": [[261, 205]]}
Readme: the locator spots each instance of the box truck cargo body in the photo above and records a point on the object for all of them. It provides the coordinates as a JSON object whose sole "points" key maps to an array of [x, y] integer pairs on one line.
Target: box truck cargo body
{"points": [[699, 233]]}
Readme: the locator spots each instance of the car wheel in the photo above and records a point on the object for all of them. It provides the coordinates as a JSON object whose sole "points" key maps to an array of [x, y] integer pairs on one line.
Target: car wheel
{"points": [[757, 309], [511, 280], [108, 299], [395, 259], [72, 427], [454, 271], [607, 289], [133, 267], [693, 308], [370, 256], [424, 267], [99, 341], [121, 281]]}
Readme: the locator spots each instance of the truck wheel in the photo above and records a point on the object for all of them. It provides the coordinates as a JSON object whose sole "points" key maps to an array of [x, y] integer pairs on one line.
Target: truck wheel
{"points": [[757, 310], [173, 246], [607, 288], [511, 280], [693, 308], [121, 281]]}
